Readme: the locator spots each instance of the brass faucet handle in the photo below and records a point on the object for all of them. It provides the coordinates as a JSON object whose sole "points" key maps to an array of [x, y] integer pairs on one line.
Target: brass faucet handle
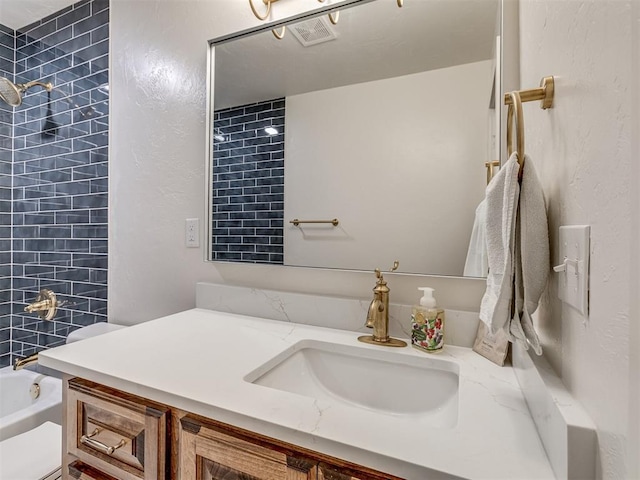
{"points": [[378, 272], [46, 304]]}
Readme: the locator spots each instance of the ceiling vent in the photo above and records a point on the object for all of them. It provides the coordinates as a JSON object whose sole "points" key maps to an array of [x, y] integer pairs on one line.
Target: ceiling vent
{"points": [[314, 31]]}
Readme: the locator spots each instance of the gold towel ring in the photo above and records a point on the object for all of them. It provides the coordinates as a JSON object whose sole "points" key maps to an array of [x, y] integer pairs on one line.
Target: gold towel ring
{"points": [[279, 35], [515, 116], [255, 12]]}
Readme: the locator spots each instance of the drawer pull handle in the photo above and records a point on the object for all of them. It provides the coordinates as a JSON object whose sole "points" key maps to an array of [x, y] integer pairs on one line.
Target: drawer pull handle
{"points": [[90, 442]]}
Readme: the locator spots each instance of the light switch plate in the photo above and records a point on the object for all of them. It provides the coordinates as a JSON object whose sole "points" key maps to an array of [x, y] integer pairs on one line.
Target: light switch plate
{"points": [[573, 282]]}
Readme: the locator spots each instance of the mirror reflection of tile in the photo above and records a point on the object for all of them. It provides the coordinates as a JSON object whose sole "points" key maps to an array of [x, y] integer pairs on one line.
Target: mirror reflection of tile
{"points": [[248, 183]]}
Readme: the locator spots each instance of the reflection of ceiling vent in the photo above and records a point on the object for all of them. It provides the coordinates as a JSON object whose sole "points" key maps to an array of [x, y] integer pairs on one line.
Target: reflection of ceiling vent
{"points": [[313, 31]]}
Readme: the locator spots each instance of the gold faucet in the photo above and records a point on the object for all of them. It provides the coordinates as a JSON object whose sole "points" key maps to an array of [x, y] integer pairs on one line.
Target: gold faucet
{"points": [[46, 304], [25, 362], [378, 315]]}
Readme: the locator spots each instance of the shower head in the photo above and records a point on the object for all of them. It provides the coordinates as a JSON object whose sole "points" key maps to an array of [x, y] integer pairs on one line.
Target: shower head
{"points": [[11, 93]]}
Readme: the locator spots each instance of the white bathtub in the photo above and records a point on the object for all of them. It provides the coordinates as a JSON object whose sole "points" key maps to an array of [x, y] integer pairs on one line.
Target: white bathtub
{"points": [[18, 411]]}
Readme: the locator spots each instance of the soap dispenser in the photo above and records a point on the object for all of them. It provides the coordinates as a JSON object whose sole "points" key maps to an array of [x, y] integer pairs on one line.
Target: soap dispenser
{"points": [[427, 323]]}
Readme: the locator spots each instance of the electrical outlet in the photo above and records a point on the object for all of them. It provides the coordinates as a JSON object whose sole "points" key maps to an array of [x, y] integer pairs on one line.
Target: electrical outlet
{"points": [[192, 232]]}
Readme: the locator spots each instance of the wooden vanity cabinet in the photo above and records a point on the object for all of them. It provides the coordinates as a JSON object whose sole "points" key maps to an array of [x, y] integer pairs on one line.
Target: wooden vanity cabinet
{"points": [[118, 434], [210, 450], [157, 442]]}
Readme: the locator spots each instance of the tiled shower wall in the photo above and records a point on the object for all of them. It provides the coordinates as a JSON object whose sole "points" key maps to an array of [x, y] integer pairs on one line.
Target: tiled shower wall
{"points": [[7, 40], [60, 174], [248, 183]]}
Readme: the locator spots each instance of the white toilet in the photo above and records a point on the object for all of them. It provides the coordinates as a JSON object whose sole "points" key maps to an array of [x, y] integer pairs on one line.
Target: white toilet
{"points": [[32, 455]]}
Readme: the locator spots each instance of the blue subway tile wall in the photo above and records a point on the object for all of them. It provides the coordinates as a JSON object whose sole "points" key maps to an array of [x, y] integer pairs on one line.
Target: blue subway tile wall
{"points": [[248, 183], [59, 192], [7, 52]]}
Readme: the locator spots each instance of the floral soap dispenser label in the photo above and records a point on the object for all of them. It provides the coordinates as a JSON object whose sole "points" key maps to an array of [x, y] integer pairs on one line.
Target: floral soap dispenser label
{"points": [[427, 329]]}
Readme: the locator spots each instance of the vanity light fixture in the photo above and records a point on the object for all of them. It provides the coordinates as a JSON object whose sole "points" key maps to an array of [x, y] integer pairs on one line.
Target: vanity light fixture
{"points": [[279, 34], [258, 15], [333, 17], [271, 131]]}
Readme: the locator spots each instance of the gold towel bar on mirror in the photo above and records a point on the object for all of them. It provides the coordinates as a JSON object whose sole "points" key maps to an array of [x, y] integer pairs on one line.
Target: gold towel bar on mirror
{"points": [[490, 166], [545, 94], [297, 222]]}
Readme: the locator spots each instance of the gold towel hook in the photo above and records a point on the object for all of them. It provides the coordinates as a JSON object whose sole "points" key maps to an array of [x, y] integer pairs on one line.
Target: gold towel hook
{"points": [[279, 35], [545, 93], [400, 3], [266, 15]]}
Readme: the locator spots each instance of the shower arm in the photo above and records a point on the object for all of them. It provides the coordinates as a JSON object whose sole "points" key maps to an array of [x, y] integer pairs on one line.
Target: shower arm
{"points": [[23, 87]]}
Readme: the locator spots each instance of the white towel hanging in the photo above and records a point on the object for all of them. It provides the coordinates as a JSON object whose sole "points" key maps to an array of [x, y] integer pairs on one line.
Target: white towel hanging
{"points": [[502, 204]]}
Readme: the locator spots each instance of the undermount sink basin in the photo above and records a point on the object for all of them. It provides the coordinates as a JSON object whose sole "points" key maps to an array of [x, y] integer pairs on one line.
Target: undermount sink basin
{"points": [[376, 379]]}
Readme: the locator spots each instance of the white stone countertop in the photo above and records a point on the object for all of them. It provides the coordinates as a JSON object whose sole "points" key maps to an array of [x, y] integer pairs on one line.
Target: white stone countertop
{"points": [[197, 360]]}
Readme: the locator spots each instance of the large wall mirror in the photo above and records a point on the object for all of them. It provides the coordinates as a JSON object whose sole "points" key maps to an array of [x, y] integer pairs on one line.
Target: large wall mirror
{"points": [[378, 127]]}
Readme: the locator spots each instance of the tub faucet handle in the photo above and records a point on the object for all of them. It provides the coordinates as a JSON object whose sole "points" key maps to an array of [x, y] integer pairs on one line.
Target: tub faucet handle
{"points": [[46, 304]]}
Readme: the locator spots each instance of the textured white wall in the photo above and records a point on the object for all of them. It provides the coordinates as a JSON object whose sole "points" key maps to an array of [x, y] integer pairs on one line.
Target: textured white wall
{"points": [[411, 148], [157, 168], [582, 149], [633, 450]]}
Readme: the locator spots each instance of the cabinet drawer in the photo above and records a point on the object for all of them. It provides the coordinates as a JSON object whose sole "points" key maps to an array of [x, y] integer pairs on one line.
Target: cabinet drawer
{"points": [[119, 434], [208, 453], [80, 471]]}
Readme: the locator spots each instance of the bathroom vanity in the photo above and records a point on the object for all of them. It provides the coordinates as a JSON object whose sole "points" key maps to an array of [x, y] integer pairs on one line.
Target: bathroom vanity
{"points": [[206, 394], [118, 435]]}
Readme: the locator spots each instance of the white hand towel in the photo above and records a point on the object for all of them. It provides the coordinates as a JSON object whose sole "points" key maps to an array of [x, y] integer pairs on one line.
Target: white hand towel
{"points": [[502, 204], [532, 257], [477, 264]]}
